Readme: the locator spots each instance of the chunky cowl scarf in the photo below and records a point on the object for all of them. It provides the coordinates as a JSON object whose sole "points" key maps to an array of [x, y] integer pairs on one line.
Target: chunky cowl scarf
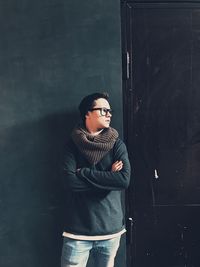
{"points": [[94, 148]]}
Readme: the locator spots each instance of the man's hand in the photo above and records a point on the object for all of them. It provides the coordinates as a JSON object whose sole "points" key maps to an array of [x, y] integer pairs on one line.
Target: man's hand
{"points": [[117, 166]]}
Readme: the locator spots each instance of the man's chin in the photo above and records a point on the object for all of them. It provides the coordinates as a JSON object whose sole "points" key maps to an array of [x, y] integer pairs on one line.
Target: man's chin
{"points": [[104, 127]]}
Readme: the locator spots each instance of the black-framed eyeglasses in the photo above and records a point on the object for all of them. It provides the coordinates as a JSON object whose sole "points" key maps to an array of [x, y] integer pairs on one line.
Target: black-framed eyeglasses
{"points": [[103, 111]]}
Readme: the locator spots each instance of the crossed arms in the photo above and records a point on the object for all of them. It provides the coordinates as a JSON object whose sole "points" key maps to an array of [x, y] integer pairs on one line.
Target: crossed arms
{"points": [[89, 179]]}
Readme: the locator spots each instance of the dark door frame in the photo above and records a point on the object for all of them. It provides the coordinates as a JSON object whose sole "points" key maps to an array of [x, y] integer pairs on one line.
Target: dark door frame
{"points": [[128, 118]]}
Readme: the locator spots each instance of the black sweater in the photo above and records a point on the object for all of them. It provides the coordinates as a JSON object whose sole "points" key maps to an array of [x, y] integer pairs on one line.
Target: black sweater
{"points": [[93, 193]]}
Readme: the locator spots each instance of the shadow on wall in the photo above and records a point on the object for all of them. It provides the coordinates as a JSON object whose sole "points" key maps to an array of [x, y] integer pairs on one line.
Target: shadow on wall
{"points": [[31, 192]]}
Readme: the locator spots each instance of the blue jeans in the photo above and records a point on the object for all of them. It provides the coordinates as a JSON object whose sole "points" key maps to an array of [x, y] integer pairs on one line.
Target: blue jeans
{"points": [[75, 253]]}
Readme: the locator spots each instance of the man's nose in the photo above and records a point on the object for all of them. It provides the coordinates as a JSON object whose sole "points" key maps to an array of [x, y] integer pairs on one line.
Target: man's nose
{"points": [[108, 114]]}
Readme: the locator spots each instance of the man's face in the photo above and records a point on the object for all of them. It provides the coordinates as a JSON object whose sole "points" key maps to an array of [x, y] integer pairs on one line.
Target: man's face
{"points": [[99, 117]]}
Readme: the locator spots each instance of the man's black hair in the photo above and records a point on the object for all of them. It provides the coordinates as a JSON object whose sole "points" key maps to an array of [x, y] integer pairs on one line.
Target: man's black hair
{"points": [[88, 102]]}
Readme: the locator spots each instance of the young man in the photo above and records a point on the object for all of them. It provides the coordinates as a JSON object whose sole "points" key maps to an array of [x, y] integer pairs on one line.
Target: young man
{"points": [[96, 170]]}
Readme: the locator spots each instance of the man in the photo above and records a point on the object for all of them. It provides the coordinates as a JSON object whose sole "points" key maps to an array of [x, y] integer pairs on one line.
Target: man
{"points": [[96, 170]]}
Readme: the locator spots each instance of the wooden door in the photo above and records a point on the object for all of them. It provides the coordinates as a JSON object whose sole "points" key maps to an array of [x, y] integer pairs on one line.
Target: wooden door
{"points": [[161, 85]]}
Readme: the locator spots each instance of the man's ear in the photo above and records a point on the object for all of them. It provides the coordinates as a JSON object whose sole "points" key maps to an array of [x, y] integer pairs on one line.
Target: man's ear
{"points": [[87, 115]]}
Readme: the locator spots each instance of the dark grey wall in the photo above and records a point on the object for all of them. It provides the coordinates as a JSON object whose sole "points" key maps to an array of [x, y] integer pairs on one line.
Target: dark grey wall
{"points": [[52, 53]]}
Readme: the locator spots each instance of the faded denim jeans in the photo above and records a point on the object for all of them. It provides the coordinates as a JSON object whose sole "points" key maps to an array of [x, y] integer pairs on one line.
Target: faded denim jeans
{"points": [[75, 253]]}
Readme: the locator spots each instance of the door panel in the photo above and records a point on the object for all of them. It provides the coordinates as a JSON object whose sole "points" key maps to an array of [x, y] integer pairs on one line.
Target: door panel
{"points": [[162, 129]]}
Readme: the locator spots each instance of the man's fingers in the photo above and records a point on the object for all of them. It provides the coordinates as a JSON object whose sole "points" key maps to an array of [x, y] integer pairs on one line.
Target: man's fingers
{"points": [[117, 165]]}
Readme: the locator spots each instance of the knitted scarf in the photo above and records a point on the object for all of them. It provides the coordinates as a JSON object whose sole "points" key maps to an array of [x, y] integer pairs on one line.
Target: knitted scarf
{"points": [[94, 148]]}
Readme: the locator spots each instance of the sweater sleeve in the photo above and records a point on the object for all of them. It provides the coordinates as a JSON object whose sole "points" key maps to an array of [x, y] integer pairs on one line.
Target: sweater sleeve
{"points": [[109, 180], [70, 178]]}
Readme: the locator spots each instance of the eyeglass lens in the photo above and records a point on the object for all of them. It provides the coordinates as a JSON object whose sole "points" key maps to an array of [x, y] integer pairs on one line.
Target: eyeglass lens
{"points": [[104, 111]]}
